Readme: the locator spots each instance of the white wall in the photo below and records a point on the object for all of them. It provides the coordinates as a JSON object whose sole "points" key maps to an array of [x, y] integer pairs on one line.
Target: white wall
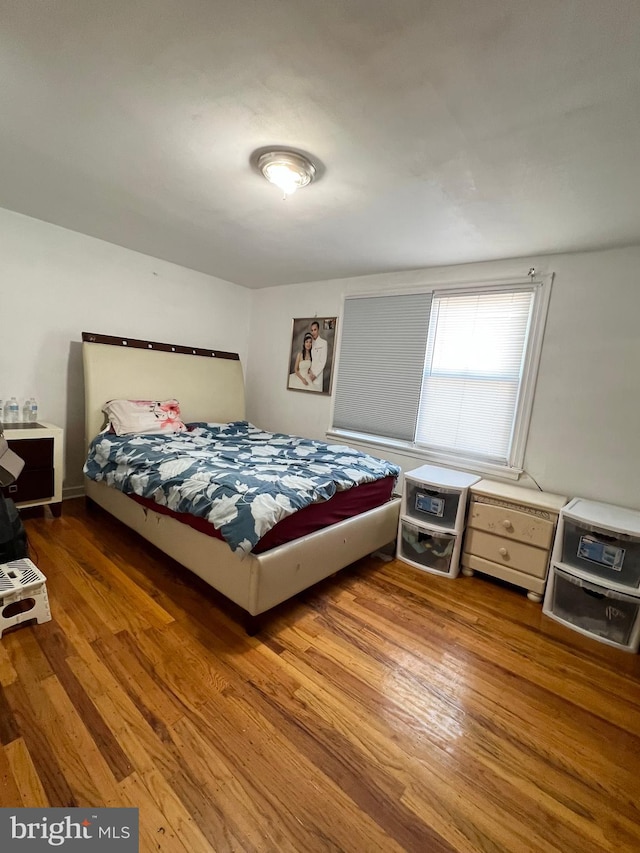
{"points": [[585, 431], [55, 284]]}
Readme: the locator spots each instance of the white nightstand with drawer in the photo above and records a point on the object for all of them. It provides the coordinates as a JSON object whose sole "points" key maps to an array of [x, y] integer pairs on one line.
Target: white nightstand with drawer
{"points": [[594, 586], [509, 535], [434, 506]]}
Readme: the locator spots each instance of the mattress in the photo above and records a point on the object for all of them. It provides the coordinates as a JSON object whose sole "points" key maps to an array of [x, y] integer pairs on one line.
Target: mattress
{"points": [[241, 479], [314, 517]]}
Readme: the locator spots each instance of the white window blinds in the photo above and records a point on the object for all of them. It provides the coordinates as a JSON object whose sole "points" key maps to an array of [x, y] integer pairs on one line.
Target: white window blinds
{"points": [[381, 363], [476, 348]]}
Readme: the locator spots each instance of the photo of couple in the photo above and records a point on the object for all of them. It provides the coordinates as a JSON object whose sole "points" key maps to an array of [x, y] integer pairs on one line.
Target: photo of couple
{"points": [[311, 358]]}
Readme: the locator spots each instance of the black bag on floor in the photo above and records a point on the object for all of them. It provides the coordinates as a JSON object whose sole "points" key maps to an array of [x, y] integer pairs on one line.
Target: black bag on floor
{"points": [[13, 537]]}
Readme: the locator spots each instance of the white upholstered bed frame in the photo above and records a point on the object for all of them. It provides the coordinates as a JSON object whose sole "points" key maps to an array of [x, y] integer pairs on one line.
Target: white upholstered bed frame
{"points": [[210, 387]]}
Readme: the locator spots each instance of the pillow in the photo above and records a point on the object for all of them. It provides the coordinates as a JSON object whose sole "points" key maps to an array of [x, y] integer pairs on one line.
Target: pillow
{"points": [[144, 416]]}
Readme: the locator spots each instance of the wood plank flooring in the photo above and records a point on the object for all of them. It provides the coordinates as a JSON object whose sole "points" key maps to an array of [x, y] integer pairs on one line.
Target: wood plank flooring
{"points": [[383, 710]]}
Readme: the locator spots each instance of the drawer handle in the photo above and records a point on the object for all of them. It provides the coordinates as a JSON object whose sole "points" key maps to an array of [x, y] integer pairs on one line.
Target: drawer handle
{"points": [[507, 524], [604, 538], [503, 552], [13, 489], [593, 593]]}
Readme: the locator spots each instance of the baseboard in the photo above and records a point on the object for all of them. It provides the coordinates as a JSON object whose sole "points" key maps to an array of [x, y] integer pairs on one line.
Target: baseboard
{"points": [[72, 492]]}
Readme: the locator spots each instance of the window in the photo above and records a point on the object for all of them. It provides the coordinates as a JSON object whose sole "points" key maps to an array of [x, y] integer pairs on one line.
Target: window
{"points": [[447, 373]]}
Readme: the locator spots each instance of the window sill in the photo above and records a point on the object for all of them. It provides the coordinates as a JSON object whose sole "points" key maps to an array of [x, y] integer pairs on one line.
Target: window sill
{"points": [[422, 456]]}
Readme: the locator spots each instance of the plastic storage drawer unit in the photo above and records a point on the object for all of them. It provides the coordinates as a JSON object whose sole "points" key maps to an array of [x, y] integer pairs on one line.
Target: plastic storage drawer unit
{"points": [[602, 541], [596, 611], [437, 496], [428, 549]]}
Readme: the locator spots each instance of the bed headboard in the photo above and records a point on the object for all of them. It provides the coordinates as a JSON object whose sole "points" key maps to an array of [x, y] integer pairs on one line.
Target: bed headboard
{"points": [[207, 383]]}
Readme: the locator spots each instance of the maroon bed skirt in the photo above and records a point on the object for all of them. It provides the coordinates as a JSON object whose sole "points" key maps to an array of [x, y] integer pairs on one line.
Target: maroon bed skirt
{"points": [[314, 517]]}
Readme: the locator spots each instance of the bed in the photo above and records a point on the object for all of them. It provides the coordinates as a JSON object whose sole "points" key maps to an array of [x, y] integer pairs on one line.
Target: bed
{"points": [[209, 385]]}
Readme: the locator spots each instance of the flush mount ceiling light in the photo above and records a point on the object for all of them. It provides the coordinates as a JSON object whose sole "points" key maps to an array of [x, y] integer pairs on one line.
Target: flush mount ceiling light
{"points": [[287, 170]]}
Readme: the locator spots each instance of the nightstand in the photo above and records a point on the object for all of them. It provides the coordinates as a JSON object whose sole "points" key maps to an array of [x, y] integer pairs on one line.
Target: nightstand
{"points": [[509, 535], [434, 506], [594, 586], [40, 483]]}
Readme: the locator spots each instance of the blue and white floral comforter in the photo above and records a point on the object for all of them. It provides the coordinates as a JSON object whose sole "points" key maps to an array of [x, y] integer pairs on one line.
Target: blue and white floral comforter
{"points": [[240, 478]]}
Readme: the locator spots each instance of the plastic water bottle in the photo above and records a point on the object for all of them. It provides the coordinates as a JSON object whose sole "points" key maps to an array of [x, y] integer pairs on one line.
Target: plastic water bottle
{"points": [[26, 410], [13, 411], [33, 409]]}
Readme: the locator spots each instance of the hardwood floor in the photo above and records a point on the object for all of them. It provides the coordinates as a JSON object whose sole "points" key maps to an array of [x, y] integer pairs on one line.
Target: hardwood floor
{"points": [[383, 710]]}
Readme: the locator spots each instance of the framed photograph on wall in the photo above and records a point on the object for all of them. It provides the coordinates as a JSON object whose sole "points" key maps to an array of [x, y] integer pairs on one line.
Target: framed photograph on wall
{"points": [[313, 342]]}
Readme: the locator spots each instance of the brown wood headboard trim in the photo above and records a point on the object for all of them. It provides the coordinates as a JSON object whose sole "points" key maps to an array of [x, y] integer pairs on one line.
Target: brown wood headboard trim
{"points": [[111, 340]]}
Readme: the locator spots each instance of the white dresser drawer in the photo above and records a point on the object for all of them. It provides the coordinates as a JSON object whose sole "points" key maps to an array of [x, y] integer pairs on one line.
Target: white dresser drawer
{"points": [[525, 558], [534, 586], [512, 524]]}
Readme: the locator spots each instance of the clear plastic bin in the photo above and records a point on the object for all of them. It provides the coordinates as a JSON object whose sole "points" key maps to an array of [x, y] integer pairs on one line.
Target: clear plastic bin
{"points": [[428, 548], [432, 504], [604, 553], [604, 614]]}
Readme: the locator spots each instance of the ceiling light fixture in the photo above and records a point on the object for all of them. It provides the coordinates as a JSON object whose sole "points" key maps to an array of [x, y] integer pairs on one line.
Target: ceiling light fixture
{"points": [[287, 170]]}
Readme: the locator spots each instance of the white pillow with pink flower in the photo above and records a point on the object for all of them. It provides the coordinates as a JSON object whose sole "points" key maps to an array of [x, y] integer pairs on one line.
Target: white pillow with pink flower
{"points": [[144, 416]]}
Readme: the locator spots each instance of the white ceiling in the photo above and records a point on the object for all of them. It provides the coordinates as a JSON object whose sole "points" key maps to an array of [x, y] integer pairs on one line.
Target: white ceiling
{"points": [[449, 130]]}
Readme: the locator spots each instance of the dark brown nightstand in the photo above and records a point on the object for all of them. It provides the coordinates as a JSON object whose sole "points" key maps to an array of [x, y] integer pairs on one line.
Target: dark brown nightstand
{"points": [[40, 483]]}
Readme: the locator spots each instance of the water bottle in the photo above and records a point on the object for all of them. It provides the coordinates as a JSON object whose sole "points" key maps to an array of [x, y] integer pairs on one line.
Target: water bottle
{"points": [[14, 410], [26, 409], [33, 409]]}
